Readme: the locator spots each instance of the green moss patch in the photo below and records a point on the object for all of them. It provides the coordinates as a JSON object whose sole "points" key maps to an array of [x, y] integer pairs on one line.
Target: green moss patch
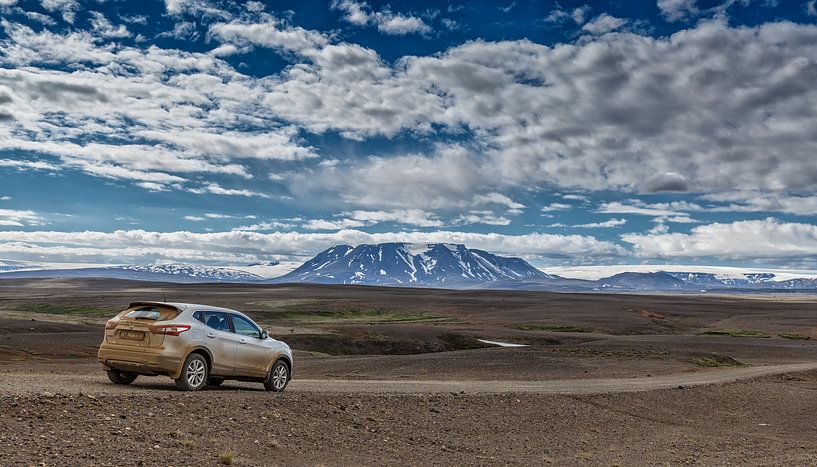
{"points": [[352, 315], [794, 336], [716, 360], [736, 333], [58, 309]]}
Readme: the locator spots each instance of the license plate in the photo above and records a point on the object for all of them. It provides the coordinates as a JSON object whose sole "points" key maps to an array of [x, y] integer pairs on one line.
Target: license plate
{"points": [[135, 335]]}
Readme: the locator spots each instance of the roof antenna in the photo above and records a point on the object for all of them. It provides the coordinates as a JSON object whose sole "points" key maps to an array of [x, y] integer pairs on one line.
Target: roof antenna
{"points": [[164, 297]]}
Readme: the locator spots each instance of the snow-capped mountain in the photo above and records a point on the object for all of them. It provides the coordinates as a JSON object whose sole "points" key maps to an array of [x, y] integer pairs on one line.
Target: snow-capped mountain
{"points": [[698, 281], [643, 281], [8, 265], [156, 272], [433, 264]]}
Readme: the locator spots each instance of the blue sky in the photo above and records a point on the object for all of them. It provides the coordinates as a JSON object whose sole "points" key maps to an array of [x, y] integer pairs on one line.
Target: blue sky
{"points": [[222, 132]]}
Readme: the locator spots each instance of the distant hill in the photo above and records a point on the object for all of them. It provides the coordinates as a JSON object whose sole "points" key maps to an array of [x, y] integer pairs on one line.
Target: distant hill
{"points": [[643, 281]]}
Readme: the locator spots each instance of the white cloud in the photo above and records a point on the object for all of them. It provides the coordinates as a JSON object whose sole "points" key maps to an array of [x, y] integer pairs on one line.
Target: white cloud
{"points": [[576, 197], [183, 31], [603, 24], [151, 186], [482, 217], [242, 246], [559, 15], [603, 225], [192, 122], [216, 189], [556, 207], [272, 33], [28, 165], [267, 226], [134, 19], [707, 109], [323, 224], [416, 217], [450, 179], [676, 220], [361, 218], [19, 218], [811, 7], [194, 218], [675, 10], [5, 198], [201, 8], [104, 28], [685, 87], [664, 210], [579, 14], [497, 198], [68, 8], [387, 22], [740, 240], [741, 201]]}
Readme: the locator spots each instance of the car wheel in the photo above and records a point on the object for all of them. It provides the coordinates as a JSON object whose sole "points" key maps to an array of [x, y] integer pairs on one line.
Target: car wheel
{"points": [[121, 377], [215, 381], [194, 373], [278, 377]]}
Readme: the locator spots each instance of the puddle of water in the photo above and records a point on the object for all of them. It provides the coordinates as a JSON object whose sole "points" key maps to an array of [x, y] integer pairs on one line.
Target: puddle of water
{"points": [[502, 344]]}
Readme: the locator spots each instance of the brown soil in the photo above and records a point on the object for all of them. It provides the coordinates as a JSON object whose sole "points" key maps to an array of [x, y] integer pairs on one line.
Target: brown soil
{"points": [[766, 421]]}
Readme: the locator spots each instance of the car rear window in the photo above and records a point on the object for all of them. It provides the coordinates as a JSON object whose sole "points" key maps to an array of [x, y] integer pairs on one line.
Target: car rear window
{"points": [[154, 313]]}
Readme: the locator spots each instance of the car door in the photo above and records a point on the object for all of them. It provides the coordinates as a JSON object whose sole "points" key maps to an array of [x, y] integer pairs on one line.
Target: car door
{"points": [[253, 356], [221, 341]]}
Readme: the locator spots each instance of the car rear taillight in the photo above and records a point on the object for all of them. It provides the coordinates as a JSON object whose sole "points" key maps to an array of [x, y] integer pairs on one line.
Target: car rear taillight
{"points": [[111, 324], [169, 329]]}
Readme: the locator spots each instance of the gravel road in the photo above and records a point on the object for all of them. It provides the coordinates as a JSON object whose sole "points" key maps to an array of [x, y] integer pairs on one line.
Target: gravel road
{"points": [[88, 378]]}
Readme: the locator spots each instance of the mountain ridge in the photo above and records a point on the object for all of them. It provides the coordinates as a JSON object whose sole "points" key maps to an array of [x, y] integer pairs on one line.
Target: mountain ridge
{"points": [[441, 265]]}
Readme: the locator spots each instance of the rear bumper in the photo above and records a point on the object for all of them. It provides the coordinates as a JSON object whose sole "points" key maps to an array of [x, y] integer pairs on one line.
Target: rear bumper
{"points": [[142, 361]]}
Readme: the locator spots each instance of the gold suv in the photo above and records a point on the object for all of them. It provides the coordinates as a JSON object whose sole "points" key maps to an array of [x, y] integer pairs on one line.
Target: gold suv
{"points": [[196, 345]]}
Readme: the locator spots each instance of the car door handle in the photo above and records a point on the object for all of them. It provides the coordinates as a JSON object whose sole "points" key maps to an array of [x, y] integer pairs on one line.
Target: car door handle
{"points": [[242, 341], [211, 335]]}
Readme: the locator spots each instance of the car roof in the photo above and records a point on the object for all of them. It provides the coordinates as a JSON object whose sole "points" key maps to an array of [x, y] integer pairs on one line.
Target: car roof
{"points": [[185, 306]]}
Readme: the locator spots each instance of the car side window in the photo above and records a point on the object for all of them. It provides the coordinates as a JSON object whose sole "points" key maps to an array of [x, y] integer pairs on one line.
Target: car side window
{"points": [[216, 320], [245, 327]]}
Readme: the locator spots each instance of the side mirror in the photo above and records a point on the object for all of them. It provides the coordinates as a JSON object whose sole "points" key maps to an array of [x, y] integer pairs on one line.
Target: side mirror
{"points": [[264, 334]]}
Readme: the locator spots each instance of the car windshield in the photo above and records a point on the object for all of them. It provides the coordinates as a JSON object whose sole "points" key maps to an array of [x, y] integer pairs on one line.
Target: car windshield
{"points": [[153, 313]]}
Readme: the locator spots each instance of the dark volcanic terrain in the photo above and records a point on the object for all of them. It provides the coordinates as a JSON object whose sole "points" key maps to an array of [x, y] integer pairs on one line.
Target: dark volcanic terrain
{"points": [[394, 375]]}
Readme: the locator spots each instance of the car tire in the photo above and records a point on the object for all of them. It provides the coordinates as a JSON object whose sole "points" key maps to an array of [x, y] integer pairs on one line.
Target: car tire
{"points": [[121, 377], [213, 381], [194, 373], [278, 377]]}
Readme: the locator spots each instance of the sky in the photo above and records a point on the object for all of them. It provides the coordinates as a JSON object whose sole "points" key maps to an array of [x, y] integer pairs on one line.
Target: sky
{"points": [[567, 133]]}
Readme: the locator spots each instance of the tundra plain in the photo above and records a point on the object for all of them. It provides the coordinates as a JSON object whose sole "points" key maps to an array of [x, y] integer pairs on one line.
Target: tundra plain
{"points": [[394, 375]]}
